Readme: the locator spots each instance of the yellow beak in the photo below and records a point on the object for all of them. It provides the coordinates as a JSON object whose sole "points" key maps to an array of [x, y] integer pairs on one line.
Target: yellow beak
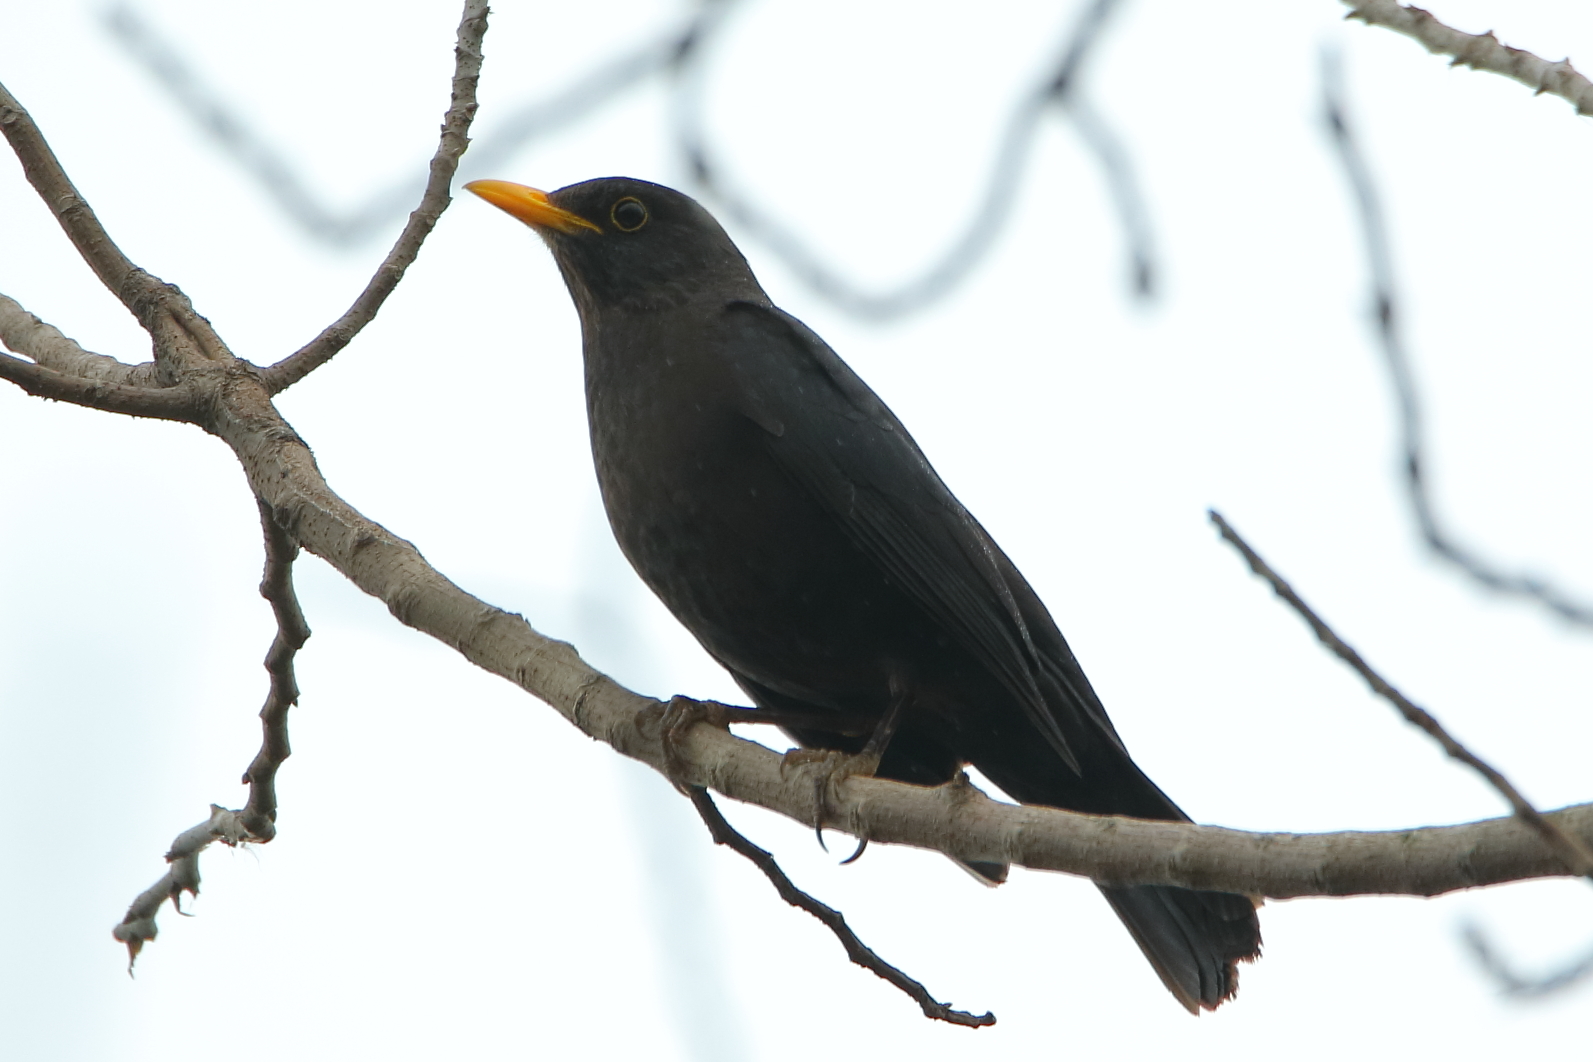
{"points": [[530, 206]]}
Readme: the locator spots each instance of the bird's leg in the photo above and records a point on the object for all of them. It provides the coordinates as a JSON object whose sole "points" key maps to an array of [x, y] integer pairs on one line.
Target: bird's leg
{"points": [[874, 751]]}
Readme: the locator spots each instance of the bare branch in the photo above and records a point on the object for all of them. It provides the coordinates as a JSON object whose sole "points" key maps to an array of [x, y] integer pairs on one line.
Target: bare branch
{"points": [[856, 950], [137, 927], [1512, 983], [678, 50], [1574, 852], [44, 343], [276, 586], [256, 822], [1058, 88], [1132, 212], [274, 171], [1480, 51], [124, 280], [50, 374], [1391, 338], [455, 138], [183, 339], [167, 403]]}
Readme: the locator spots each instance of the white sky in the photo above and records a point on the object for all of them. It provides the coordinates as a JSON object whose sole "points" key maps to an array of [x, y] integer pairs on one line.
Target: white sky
{"points": [[458, 872]]}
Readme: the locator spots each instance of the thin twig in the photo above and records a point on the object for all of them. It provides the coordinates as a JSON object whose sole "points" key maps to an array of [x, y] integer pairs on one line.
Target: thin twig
{"points": [[1575, 853], [255, 823], [276, 586], [137, 927], [1514, 984], [1374, 231], [455, 138], [1480, 51], [856, 950], [1132, 212]]}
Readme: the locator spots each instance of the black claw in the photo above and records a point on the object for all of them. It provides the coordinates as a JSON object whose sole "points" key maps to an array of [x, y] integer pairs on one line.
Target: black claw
{"points": [[853, 858]]}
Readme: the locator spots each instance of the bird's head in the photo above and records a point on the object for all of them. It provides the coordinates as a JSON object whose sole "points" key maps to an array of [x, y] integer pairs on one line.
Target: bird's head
{"points": [[624, 242]]}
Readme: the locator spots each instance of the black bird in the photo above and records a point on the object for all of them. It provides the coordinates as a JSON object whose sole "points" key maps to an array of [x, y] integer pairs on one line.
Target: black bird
{"points": [[787, 518]]}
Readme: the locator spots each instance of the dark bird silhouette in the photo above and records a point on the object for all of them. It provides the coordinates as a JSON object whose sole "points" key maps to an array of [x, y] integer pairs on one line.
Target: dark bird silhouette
{"points": [[787, 518]]}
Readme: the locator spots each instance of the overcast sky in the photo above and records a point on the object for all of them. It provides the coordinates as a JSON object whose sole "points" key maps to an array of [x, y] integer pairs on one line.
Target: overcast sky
{"points": [[460, 874]]}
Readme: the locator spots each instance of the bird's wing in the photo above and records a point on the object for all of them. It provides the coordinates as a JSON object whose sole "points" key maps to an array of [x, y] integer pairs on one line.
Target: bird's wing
{"points": [[837, 439]]}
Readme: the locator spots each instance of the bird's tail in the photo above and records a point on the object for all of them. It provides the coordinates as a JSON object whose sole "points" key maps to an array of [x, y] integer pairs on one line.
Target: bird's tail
{"points": [[1194, 939]]}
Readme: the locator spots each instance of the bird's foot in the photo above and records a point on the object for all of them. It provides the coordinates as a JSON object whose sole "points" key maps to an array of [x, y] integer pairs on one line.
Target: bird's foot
{"points": [[830, 768], [679, 716]]}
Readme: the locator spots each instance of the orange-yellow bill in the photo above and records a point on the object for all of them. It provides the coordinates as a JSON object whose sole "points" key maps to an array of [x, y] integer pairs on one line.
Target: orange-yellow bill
{"points": [[529, 205]]}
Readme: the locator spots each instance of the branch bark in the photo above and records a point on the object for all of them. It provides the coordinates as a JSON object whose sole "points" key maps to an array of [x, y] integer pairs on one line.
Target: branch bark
{"points": [[455, 138], [1480, 51], [167, 403], [44, 343]]}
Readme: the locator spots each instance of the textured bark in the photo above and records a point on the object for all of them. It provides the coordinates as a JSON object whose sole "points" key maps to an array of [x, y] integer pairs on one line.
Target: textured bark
{"points": [[1480, 51]]}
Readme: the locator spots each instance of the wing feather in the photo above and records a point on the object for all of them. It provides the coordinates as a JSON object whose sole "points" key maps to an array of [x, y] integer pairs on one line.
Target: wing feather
{"points": [[845, 447]]}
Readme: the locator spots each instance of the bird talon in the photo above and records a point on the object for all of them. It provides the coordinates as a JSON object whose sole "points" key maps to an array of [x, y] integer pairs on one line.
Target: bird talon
{"points": [[834, 768], [856, 855]]}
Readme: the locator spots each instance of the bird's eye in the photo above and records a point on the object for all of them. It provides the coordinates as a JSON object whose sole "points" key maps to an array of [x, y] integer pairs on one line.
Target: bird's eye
{"points": [[628, 214]]}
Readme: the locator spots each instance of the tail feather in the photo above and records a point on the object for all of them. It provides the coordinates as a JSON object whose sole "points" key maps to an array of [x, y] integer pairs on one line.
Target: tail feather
{"points": [[1194, 939]]}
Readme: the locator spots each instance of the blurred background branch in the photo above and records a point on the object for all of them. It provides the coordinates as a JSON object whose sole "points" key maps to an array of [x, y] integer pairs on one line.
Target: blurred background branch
{"points": [[1388, 320], [681, 55]]}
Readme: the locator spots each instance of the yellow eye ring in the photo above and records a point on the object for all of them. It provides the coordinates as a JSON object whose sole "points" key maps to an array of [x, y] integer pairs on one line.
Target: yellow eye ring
{"points": [[628, 214]]}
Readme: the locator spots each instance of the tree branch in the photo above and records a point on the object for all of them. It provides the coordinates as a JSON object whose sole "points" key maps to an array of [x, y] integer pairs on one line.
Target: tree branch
{"points": [[256, 822], [83, 228], [1058, 87], [1390, 337], [167, 403], [137, 927], [1512, 983], [276, 586], [235, 404], [44, 343], [164, 403], [1480, 51], [63, 371], [1573, 851], [455, 138], [856, 950]]}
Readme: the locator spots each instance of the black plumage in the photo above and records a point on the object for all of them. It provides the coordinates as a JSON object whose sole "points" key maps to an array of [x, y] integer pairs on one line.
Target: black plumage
{"points": [[787, 518]]}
